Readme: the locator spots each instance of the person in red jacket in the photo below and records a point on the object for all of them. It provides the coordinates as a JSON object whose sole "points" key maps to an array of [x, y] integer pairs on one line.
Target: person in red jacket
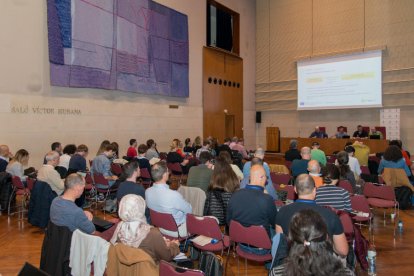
{"points": [[132, 150]]}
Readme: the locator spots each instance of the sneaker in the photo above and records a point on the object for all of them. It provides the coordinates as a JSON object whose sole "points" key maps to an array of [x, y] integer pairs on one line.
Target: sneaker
{"points": [[100, 197]]}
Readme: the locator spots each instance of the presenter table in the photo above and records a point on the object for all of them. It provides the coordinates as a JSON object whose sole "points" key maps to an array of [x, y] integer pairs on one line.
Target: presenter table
{"points": [[330, 145]]}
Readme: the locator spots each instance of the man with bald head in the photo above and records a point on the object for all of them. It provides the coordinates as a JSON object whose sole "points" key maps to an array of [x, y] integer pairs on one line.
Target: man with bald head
{"points": [[5, 155], [251, 206], [305, 188], [314, 170], [300, 166]]}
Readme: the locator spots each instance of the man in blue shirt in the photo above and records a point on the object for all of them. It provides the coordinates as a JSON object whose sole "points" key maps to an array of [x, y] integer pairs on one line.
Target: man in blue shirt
{"points": [[318, 133], [161, 199], [64, 212], [300, 166], [101, 164]]}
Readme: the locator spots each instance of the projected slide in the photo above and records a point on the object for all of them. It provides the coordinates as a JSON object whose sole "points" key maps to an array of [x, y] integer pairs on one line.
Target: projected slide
{"points": [[350, 81]]}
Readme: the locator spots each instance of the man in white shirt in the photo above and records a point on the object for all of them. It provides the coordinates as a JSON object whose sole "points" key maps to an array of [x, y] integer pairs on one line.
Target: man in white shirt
{"points": [[161, 199], [48, 174], [353, 163]]}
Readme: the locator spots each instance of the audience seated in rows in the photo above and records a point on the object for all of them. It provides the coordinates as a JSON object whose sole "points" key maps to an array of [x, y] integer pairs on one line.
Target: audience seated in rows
{"points": [[345, 172], [314, 169], [152, 151], [300, 166], [102, 147], [16, 164], [102, 164], [78, 160], [171, 202], [306, 190], [223, 184], [353, 163], [259, 153], [5, 155], [331, 195], [318, 154], [310, 248], [205, 148], [48, 174], [261, 209], [129, 185], [68, 151], [142, 159], [393, 158], [199, 176], [132, 150], [292, 153], [177, 156], [64, 212], [188, 148], [405, 154], [237, 144], [134, 231]]}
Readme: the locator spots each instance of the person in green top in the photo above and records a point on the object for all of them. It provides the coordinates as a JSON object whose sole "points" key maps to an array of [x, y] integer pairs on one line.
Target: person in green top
{"points": [[317, 154]]}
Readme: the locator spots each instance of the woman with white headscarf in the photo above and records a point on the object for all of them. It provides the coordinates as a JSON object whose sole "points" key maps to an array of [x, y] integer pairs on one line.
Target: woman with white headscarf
{"points": [[134, 231]]}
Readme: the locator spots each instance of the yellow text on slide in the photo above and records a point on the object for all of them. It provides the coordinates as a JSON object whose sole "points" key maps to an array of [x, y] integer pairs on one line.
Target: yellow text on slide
{"points": [[365, 75], [314, 80]]}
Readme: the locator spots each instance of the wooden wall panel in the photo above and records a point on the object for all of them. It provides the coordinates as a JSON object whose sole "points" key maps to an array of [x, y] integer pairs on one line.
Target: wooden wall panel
{"points": [[217, 98]]}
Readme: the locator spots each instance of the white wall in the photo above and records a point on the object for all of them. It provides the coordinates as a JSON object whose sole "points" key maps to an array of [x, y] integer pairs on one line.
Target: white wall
{"points": [[113, 115]]}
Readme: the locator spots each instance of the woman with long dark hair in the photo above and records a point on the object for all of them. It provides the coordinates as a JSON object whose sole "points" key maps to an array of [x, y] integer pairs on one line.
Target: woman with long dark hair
{"points": [[223, 184], [344, 171], [393, 158], [311, 251]]}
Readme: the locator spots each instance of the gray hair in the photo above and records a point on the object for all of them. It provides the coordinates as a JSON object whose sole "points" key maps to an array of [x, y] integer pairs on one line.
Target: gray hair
{"points": [[158, 170], [259, 151], [305, 150], [52, 155], [304, 184], [293, 144], [72, 180]]}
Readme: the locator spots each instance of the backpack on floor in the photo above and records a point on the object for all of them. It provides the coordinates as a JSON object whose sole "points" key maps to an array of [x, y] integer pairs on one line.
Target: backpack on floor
{"points": [[403, 195], [211, 264]]}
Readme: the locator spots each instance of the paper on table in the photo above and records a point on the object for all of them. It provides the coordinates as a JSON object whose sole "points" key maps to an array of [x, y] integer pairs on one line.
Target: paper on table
{"points": [[201, 240], [180, 256]]}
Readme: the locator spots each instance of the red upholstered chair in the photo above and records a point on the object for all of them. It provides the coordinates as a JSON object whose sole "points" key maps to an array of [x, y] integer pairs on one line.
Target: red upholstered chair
{"points": [[30, 182], [347, 224], [253, 235], [331, 159], [116, 169], [366, 129], [168, 269], [344, 127], [176, 172], [288, 164], [207, 226], [145, 178], [360, 204], [101, 184], [20, 190], [365, 170], [280, 178], [381, 197], [383, 131], [165, 221], [346, 185], [322, 129]]}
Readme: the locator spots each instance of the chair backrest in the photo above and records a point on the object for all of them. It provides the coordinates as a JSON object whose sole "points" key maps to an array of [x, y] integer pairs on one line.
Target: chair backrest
{"points": [[291, 195], [100, 179], [253, 235], [322, 129], [205, 226], [30, 183], [116, 169], [17, 182], [365, 129], [346, 185], [279, 169], [88, 178], [382, 192], [145, 173], [332, 159], [280, 178], [365, 170], [344, 127], [383, 130], [288, 164], [168, 269], [163, 220], [163, 155], [359, 203], [347, 224], [175, 168]]}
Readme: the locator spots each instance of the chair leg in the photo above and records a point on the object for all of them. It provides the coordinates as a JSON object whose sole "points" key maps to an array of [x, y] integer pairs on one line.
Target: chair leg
{"points": [[10, 199]]}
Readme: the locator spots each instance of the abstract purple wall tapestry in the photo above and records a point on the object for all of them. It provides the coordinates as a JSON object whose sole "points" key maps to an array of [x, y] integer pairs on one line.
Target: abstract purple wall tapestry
{"points": [[131, 45]]}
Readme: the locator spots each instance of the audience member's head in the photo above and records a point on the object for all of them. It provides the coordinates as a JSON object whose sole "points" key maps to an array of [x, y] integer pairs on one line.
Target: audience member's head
{"points": [[226, 156], [21, 156], [142, 149], [133, 227], [116, 148], [258, 176], [159, 172], [74, 185], [259, 153], [311, 249], [293, 144], [256, 161], [330, 174], [133, 142], [234, 139], [349, 143], [314, 167], [130, 171], [103, 146], [223, 177], [317, 129], [109, 150], [360, 129], [227, 140], [56, 146], [305, 152], [187, 142], [151, 143], [315, 145], [343, 158], [397, 143], [393, 153], [206, 143], [341, 129], [205, 157], [4, 151], [69, 149], [175, 144], [197, 141], [350, 150], [82, 150], [305, 186], [52, 158]]}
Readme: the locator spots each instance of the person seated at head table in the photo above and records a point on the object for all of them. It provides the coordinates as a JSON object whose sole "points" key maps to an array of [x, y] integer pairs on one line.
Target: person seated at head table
{"points": [[318, 133]]}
